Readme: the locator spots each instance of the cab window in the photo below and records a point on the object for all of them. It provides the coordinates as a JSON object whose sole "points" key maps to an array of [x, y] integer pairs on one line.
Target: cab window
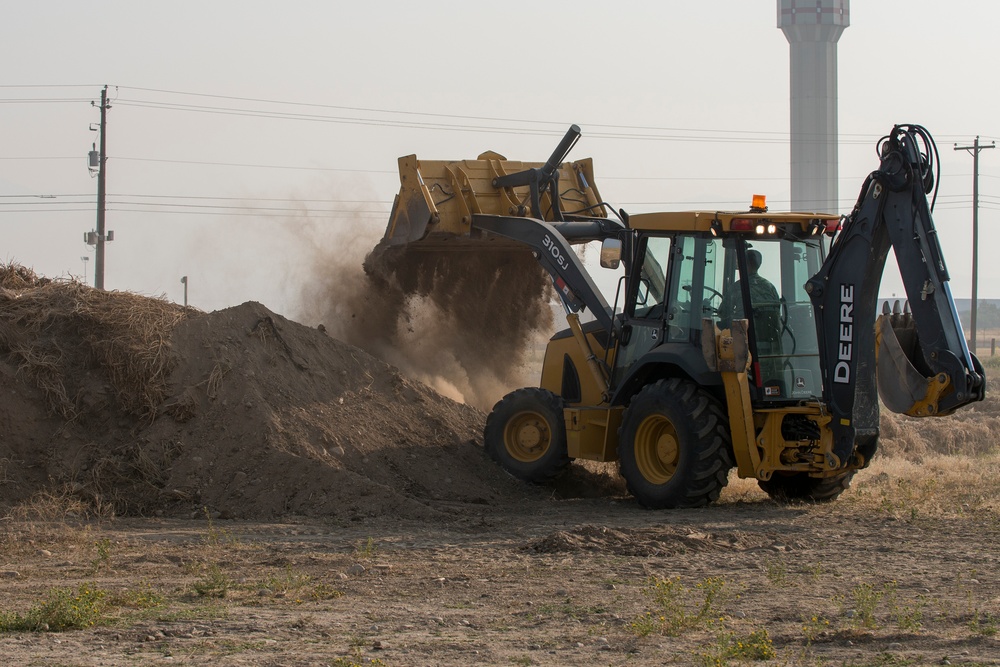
{"points": [[648, 301], [697, 280]]}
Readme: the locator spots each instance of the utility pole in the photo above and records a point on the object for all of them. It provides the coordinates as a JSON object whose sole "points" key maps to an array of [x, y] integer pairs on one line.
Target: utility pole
{"points": [[975, 149], [102, 176], [184, 281]]}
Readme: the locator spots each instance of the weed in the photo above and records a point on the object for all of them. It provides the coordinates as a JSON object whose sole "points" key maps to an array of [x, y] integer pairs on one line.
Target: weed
{"points": [[324, 591], [144, 597], [754, 646], [522, 660], [82, 607], [865, 598], [216, 536], [289, 582], [213, 584], [367, 550], [674, 612], [103, 559], [984, 623], [906, 617], [776, 571], [205, 612], [647, 624], [63, 609], [814, 627], [460, 604]]}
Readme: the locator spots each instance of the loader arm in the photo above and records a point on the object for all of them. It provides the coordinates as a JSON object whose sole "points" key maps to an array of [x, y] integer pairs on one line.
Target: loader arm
{"points": [[550, 244], [938, 370]]}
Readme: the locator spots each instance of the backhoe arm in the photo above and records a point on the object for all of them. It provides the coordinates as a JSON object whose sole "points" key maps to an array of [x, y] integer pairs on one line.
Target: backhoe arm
{"points": [[935, 366], [550, 244]]}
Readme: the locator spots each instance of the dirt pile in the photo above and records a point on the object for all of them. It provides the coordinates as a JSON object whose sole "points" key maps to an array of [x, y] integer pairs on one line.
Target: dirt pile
{"points": [[240, 411]]}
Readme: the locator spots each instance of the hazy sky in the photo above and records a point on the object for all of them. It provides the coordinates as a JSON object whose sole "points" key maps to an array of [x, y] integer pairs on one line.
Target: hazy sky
{"points": [[252, 142]]}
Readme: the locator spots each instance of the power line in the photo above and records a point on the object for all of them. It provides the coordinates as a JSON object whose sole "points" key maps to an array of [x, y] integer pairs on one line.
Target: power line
{"points": [[43, 100], [45, 196], [35, 210], [345, 108], [210, 207], [50, 85], [558, 126], [295, 213], [701, 134], [778, 139], [603, 177], [257, 166], [266, 199]]}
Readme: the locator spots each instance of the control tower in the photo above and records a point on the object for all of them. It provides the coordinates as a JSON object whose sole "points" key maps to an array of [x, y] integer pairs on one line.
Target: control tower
{"points": [[812, 28]]}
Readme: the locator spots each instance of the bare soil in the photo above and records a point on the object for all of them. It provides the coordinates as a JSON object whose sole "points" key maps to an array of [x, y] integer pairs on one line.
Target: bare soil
{"points": [[543, 581], [275, 496]]}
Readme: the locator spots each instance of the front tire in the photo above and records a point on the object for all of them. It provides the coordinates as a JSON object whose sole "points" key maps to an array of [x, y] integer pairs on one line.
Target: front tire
{"points": [[526, 434], [674, 446], [800, 487]]}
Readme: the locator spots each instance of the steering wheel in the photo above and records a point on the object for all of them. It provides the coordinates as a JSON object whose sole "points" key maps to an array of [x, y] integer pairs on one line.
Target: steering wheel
{"points": [[714, 292], [707, 305]]}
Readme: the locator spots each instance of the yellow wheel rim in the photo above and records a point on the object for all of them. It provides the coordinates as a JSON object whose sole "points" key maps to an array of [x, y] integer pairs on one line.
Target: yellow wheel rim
{"points": [[527, 436], [657, 449]]}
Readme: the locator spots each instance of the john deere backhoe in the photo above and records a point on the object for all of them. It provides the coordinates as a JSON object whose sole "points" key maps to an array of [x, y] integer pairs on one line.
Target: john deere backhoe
{"points": [[745, 339]]}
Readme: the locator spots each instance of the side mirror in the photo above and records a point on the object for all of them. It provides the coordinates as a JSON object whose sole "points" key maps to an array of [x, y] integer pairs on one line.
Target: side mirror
{"points": [[611, 253]]}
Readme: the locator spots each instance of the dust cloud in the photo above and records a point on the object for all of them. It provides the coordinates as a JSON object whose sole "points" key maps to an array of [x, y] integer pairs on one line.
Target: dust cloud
{"points": [[468, 324]]}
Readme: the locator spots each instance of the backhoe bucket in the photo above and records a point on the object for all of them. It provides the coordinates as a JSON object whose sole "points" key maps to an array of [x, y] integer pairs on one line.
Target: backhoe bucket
{"points": [[437, 200], [904, 388]]}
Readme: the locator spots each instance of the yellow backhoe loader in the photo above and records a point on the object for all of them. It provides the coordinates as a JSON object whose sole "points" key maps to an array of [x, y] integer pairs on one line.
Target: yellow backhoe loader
{"points": [[745, 339]]}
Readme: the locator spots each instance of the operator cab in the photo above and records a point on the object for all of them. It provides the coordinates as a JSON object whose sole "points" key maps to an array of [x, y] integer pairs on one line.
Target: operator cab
{"points": [[686, 277]]}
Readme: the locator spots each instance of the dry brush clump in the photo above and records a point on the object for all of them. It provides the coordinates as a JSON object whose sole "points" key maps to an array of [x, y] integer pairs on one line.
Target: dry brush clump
{"points": [[14, 277], [57, 332], [970, 431], [940, 485], [48, 518]]}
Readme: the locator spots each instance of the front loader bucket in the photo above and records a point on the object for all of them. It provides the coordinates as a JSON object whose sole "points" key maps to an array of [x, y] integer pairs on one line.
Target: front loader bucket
{"points": [[437, 200], [903, 387]]}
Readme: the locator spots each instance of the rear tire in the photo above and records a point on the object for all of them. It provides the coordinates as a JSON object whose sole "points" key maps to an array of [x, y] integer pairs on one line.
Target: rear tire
{"points": [[674, 446], [526, 434], [800, 487]]}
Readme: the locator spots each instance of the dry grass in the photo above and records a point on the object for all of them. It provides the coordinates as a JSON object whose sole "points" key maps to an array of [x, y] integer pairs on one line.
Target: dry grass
{"points": [[48, 519], [939, 486], [124, 335]]}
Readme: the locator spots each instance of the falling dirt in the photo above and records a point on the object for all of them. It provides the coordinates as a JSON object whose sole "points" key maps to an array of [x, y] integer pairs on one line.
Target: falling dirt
{"points": [[464, 323]]}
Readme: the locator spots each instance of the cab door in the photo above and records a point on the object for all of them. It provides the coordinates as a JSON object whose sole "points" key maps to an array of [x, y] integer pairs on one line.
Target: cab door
{"points": [[665, 309], [646, 305]]}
